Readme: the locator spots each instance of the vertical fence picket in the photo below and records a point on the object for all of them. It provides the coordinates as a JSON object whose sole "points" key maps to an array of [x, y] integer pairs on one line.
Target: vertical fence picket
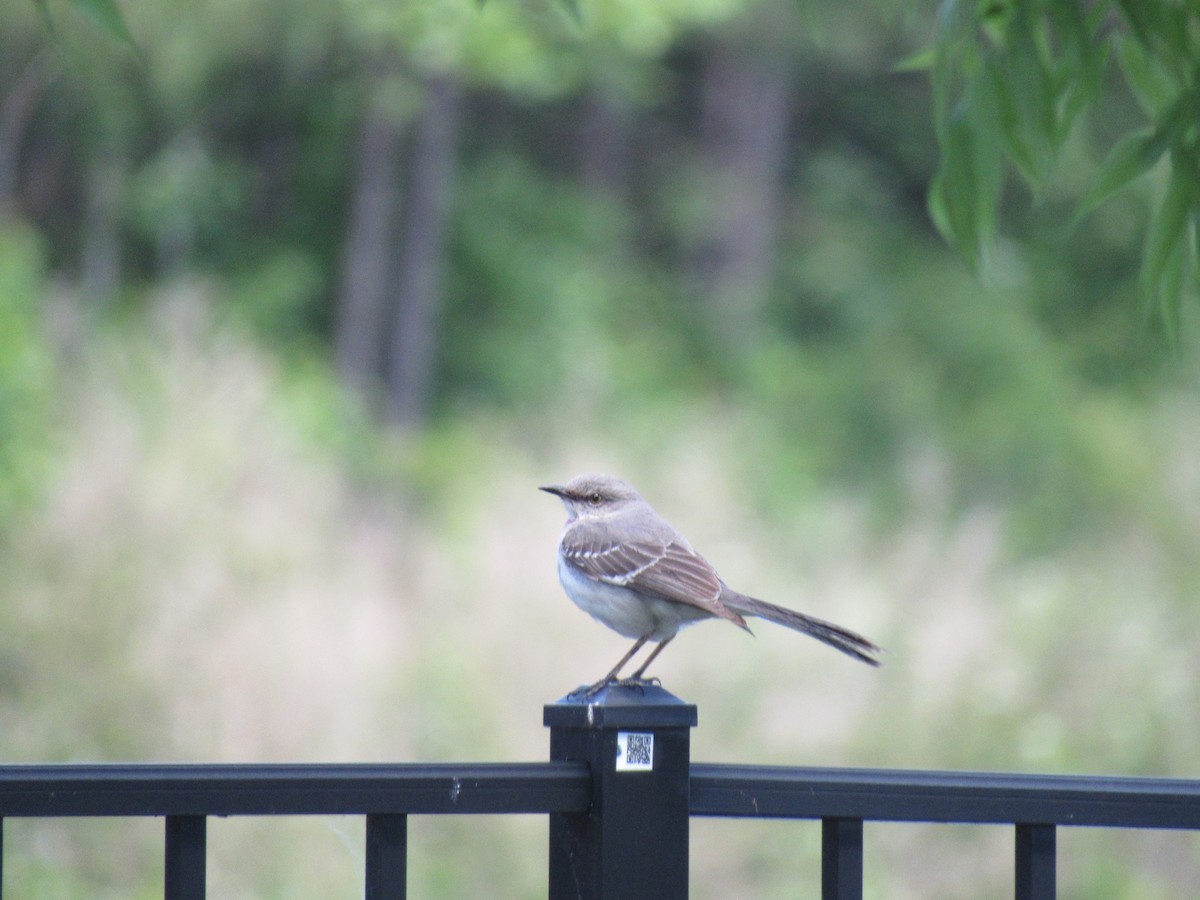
{"points": [[1036, 862], [387, 857], [841, 859], [186, 858]]}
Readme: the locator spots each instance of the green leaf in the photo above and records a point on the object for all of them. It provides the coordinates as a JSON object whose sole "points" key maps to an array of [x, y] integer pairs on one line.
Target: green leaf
{"points": [[920, 61], [1159, 27], [1131, 157], [44, 12], [964, 196], [996, 17], [1083, 52], [107, 15], [1025, 94], [938, 203], [1196, 235], [573, 10], [1167, 295], [955, 52], [1166, 243], [987, 158], [953, 190], [1153, 86]]}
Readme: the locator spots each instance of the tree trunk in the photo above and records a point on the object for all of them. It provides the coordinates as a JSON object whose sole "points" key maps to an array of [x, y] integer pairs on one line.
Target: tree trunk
{"points": [[416, 299], [745, 114], [605, 143], [100, 257], [16, 111], [359, 333]]}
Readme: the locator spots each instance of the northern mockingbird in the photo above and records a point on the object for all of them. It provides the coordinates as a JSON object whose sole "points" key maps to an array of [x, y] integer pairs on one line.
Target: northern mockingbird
{"points": [[623, 564]]}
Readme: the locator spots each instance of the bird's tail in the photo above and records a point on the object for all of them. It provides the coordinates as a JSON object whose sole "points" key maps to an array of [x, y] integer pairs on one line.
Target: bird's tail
{"points": [[834, 635]]}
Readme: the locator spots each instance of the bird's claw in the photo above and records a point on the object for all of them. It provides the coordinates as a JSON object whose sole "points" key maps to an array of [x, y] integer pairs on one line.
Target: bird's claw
{"points": [[587, 692], [639, 684]]}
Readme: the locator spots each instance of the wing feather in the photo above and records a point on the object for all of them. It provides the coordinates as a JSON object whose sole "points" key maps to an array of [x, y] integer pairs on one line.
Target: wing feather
{"points": [[671, 571]]}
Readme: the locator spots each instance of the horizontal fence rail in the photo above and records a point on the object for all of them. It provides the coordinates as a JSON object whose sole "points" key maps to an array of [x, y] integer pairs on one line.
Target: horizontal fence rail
{"points": [[1035, 804], [843, 799], [185, 795], [959, 797], [276, 790]]}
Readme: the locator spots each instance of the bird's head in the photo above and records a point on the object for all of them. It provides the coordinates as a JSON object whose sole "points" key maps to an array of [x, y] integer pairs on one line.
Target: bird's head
{"points": [[592, 494]]}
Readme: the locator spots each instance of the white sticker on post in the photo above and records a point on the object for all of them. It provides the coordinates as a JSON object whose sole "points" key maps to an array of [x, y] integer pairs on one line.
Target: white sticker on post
{"points": [[635, 752]]}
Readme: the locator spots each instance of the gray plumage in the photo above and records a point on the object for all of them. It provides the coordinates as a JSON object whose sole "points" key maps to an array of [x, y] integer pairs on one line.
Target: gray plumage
{"points": [[625, 565]]}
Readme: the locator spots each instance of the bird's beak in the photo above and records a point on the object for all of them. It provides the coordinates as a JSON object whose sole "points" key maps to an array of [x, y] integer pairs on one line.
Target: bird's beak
{"points": [[556, 489]]}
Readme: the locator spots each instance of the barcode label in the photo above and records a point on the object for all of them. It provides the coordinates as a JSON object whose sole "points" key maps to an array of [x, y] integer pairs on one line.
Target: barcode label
{"points": [[635, 751]]}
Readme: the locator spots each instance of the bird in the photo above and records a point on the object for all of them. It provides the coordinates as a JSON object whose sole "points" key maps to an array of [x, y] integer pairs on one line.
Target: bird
{"points": [[626, 566]]}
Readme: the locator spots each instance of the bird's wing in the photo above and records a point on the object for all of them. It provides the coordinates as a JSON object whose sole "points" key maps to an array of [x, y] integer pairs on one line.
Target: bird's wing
{"points": [[670, 570]]}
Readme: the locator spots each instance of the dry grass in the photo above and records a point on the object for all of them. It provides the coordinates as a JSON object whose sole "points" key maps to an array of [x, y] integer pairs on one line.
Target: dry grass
{"points": [[202, 583]]}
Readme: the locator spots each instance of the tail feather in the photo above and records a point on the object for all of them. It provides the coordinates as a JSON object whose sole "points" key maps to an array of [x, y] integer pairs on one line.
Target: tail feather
{"points": [[834, 635]]}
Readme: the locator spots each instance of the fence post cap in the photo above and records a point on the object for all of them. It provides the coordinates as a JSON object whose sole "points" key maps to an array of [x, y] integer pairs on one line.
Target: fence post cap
{"points": [[621, 706]]}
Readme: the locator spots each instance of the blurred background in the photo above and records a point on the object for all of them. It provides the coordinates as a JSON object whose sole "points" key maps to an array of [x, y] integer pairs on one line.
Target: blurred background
{"points": [[300, 301]]}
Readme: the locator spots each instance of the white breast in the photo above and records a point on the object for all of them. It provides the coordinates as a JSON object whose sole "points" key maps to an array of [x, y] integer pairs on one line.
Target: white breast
{"points": [[628, 613]]}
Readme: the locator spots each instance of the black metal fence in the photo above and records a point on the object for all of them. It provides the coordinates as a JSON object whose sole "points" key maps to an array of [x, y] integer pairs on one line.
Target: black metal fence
{"points": [[619, 790]]}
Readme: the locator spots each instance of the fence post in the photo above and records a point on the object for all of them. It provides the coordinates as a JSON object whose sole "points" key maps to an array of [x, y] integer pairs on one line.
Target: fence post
{"points": [[632, 842]]}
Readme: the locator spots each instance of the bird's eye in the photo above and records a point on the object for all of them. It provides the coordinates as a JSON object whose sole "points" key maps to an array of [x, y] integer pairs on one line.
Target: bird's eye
{"points": [[594, 498]]}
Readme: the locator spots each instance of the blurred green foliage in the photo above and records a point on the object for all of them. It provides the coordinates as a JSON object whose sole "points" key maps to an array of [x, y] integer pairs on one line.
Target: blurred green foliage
{"points": [[1011, 80], [214, 548], [28, 376]]}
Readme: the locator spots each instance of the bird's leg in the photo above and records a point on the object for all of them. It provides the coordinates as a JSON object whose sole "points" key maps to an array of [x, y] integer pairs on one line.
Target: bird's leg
{"points": [[636, 677], [612, 676]]}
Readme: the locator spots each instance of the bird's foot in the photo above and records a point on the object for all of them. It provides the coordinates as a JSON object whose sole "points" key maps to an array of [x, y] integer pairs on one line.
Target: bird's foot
{"points": [[638, 683], [587, 692]]}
